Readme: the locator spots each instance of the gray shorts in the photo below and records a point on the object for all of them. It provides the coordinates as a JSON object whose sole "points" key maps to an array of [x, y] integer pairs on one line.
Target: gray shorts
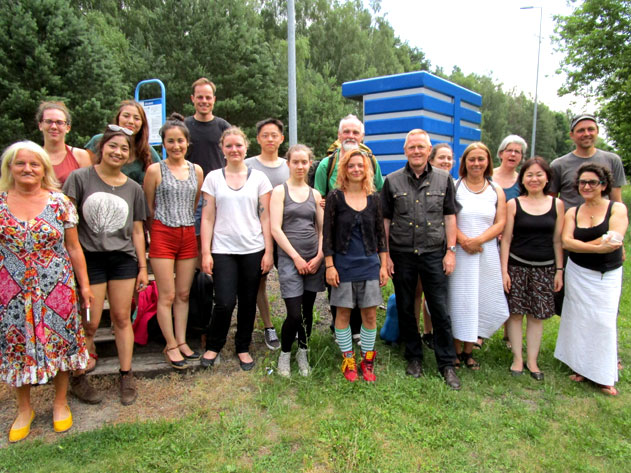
{"points": [[360, 294], [294, 284]]}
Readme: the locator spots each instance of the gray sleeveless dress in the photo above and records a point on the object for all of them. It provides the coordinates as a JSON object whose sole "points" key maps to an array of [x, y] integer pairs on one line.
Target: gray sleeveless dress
{"points": [[299, 226]]}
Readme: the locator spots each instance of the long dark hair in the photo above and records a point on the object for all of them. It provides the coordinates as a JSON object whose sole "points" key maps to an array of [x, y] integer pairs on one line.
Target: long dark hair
{"points": [[140, 147]]}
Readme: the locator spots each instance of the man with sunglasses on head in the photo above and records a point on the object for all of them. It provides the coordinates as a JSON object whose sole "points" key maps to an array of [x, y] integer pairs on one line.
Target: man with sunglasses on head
{"points": [[584, 133]]}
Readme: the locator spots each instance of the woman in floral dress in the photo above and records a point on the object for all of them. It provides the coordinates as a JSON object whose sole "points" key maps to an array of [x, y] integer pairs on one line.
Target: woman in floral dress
{"points": [[40, 332]]}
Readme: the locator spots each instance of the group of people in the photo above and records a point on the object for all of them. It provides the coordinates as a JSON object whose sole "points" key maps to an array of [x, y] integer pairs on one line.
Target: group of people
{"points": [[75, 223]]}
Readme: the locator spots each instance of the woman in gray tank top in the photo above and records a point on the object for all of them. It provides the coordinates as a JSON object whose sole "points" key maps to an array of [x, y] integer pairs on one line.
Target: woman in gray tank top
{"points": [[173, 188], [296, 220]]}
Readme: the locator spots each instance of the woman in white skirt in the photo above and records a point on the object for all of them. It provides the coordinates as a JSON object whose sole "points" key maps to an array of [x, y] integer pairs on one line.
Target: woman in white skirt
{"points": [[476, 294], [592, 233]]}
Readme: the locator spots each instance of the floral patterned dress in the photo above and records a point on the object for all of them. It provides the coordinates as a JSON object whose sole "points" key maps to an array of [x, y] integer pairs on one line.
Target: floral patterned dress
{"points": [[40, 327]]}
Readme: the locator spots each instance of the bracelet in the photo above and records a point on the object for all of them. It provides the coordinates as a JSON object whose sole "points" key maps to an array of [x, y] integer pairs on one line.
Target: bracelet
{"points": [[560, 269], [332, 266]]}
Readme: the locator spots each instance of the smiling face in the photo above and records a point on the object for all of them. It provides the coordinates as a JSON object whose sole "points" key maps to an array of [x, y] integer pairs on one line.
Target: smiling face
{"points": [[54, 125], [204, 101], [476, 163], [350, 132], [270, 138], [129, 117], [234, 148], [589, 185], [299, 163], [417, 150], [444, 159], [511, 155], [115, 152], [355, 169], [175, 143], [535, 179], [27, 169], [585, 134]]}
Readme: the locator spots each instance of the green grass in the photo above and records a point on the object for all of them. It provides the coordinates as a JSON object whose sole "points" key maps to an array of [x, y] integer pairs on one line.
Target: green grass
{"points": [[263, 423]]}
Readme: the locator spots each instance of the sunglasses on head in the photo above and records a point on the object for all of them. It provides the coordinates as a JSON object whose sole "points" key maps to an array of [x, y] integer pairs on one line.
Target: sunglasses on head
{"points": [[127, 131]]}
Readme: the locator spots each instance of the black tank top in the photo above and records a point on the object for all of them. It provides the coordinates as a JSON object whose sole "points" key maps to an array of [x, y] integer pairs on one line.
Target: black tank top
{"points": [[595, 261], [533, 234]]}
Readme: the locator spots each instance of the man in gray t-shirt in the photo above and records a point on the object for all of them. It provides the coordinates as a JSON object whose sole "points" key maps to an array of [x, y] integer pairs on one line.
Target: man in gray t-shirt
{"points": [[584, 132]]}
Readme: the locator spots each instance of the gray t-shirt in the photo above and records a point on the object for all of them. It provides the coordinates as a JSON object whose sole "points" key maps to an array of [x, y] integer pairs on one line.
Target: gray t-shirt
{"points": [[565, 167], [106, 213], [276, 175]]}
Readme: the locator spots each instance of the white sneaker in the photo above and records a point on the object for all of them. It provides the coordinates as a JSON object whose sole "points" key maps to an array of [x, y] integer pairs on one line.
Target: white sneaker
{"points": [[283, 364], [303, 362]]}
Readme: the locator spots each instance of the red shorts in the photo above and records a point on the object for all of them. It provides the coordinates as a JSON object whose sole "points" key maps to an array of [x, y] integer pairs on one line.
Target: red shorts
{"points": [[172, 243]]}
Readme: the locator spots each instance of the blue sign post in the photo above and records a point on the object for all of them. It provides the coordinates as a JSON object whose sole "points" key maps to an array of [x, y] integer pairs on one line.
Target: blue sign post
{"points": [[155, 109], [394, 105]]}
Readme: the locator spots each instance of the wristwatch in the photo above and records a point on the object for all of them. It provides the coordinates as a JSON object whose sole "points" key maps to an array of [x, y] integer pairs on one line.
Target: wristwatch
{"points": [[452, 248]]}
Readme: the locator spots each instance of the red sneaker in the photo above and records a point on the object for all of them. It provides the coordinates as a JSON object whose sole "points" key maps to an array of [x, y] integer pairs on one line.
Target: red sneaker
{"points": [[368, 366], [349, 367]]}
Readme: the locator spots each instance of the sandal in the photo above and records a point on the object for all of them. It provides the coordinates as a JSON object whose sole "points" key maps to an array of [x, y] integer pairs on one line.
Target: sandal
{"points": [[92, 362], [477, 345], [609, 390], [469, 362], [577, 378], [178, 365], [194, 356]]}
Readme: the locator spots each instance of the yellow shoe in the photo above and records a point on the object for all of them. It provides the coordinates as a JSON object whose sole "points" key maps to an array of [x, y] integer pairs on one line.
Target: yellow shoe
{"points": [[64, 424], [15, 435]]}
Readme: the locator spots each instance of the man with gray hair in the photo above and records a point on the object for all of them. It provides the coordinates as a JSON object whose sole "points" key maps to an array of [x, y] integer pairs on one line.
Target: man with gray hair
{"points": [[419, 210]]}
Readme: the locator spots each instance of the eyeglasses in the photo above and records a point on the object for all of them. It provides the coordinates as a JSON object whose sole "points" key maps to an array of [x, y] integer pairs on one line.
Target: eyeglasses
{"points": [[590, 183], [513, 151], [127, 131], [59, 123]]}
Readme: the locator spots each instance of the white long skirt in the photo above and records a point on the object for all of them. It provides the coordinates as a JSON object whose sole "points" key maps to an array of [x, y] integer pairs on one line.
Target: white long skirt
{"points": [[587, 341]]}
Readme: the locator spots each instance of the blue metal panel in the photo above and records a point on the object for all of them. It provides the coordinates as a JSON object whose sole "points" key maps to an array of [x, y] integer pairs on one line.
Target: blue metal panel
{"points": [[407, 102], [390, 166], [405, 124], [380, 147], [471, 115]]}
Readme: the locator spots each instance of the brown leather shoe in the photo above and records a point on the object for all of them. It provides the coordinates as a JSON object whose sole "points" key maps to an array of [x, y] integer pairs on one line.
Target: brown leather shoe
{"points": [[128, 391], [451, 378], [84, 391]]}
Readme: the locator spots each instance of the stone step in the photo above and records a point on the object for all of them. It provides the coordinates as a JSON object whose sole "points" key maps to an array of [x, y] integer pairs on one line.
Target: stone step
{"points": [[145, 365]]}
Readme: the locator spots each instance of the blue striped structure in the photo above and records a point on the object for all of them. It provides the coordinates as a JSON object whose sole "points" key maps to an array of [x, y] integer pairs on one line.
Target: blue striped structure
{"points": [[394, 105]]}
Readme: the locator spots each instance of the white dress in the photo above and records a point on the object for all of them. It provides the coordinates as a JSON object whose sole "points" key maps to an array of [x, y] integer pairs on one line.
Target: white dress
{"points": [[477, 302]]}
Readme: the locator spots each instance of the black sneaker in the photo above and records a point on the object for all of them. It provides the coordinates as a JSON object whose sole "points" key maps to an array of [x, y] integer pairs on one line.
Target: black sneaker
{"points": [[271, 339]]}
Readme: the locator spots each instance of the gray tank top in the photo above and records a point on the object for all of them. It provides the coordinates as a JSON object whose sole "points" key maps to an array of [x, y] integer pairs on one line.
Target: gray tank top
{"points": [[175, 199], [299, 225]]}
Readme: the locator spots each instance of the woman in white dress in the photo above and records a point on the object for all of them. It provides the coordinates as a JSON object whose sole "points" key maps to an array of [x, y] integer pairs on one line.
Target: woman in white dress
{"points": [[592, 233], [476, 295]]}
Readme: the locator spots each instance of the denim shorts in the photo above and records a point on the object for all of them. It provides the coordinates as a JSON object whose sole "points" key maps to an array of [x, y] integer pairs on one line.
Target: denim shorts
{"points": [[360, 294], [106, 266]]}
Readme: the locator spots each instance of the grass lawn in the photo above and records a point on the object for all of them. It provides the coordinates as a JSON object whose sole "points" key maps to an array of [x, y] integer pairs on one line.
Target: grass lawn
{"points": [[259, 422]]}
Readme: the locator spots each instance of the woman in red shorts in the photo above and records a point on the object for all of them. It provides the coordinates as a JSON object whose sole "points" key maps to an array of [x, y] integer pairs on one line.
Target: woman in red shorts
{"points": [[172, 188]]}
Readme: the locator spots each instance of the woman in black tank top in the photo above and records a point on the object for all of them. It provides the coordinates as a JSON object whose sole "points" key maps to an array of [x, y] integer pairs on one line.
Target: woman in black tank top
{"points": [[532, 261], [593, 233]]}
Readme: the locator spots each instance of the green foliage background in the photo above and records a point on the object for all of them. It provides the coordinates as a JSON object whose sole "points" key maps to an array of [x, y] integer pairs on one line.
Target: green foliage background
{"points": [[92, 53]]}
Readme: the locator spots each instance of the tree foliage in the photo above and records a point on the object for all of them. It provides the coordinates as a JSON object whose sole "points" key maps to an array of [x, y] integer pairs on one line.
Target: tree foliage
{"points": [[596, 41], [48, 51], [94, 52]]}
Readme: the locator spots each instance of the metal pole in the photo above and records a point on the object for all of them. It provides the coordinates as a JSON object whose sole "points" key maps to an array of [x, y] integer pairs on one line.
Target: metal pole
{"points": [[291, 73], [534, 115]]}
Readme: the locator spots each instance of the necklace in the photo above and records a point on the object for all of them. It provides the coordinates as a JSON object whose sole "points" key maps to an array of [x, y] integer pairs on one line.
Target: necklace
{"points": [[485, 183]]}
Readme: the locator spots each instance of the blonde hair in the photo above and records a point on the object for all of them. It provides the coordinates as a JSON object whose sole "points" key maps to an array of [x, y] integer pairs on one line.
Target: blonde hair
{"points": [[342, 173], [234, 130], [417, 131], [49, 182]]}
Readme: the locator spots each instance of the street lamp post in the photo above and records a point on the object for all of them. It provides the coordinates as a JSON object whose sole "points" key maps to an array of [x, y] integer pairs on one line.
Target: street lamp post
{"points": [[534, 115]]}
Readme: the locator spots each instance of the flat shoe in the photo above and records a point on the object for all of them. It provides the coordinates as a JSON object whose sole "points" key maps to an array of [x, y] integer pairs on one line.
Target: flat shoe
{"points": [[516, 372], [207, 362], [15, 435], [64, 424], [246, 365], [536, 375]]}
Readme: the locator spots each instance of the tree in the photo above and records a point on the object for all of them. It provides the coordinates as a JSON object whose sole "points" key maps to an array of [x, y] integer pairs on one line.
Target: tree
{"points": [[47, 51], [596, 41]]}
